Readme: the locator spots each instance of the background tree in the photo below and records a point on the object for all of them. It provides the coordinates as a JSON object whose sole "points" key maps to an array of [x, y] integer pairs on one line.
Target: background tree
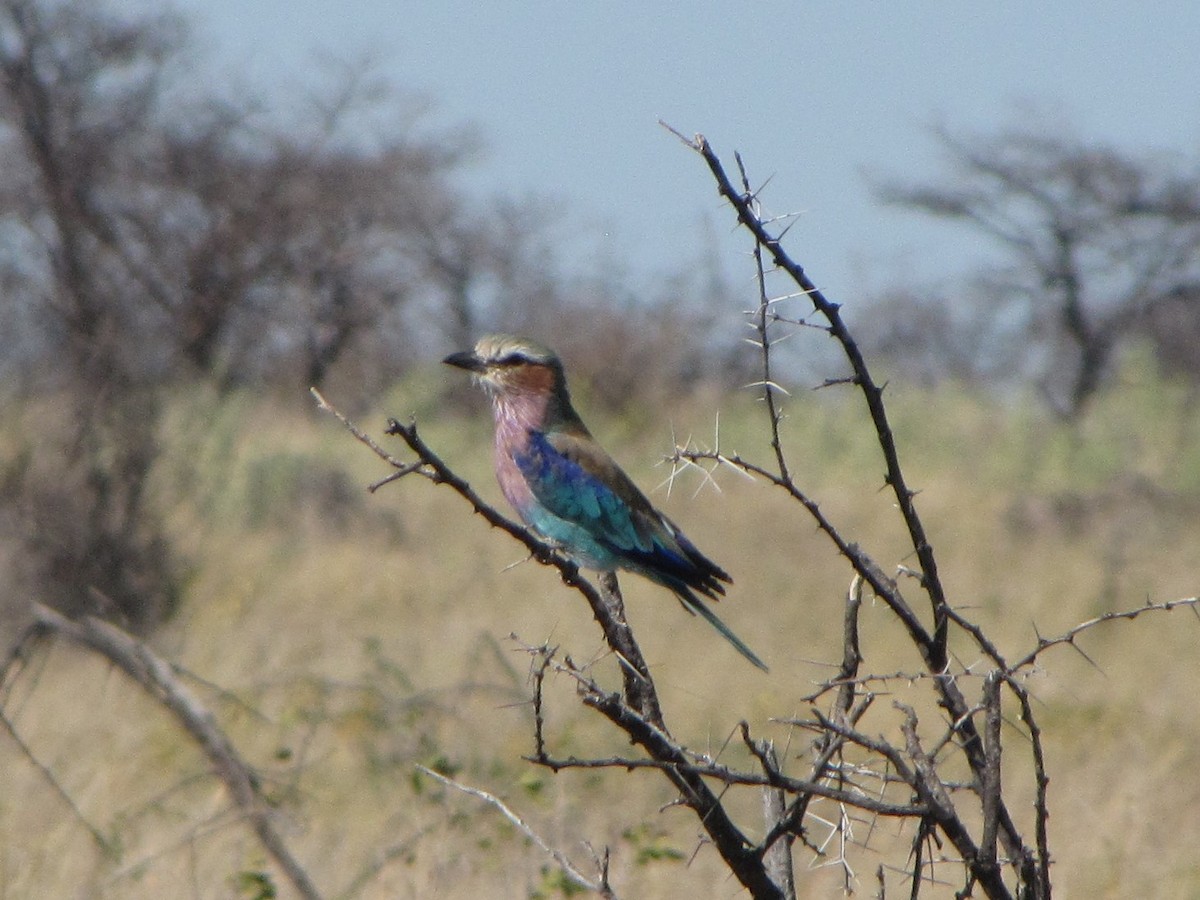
{"points": [[152, 240], [1092, 241], [78, 97]]}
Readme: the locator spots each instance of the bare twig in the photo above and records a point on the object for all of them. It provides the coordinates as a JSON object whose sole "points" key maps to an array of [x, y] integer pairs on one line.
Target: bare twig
{"points": [[601, 887], [364, 438], [1035, 871], [761, 323], [1068, 637]]}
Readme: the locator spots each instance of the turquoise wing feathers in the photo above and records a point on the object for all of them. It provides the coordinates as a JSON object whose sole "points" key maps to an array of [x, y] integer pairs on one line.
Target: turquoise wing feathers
{"points": [[576, 481], [581, 485]]}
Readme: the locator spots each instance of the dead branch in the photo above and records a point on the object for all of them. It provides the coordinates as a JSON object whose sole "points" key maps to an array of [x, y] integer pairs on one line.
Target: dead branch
{"points": [[601, 887], [1044, 644], [156, 676]]}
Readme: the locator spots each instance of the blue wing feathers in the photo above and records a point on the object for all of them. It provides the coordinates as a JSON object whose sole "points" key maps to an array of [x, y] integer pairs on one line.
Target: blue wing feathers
{"points": [[592, 508], [626, 526]]}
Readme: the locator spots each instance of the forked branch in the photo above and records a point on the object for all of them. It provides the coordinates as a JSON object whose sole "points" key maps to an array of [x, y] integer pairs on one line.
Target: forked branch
{"points": [[743, 203], [933, 647]]}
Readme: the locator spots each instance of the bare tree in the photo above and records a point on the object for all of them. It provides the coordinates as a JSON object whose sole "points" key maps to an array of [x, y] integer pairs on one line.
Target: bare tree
{"points": [[1091, 241], [77, 95]]}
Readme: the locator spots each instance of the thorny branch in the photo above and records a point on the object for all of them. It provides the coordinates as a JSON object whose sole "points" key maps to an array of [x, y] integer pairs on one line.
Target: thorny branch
{"points": [[933, 802], [932, 647], [743, 203], [1068, 637], [639, 712], [762, 323]]}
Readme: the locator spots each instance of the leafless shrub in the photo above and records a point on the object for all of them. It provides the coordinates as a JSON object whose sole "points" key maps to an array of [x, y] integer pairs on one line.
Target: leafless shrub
{"points": [[940, 772]]}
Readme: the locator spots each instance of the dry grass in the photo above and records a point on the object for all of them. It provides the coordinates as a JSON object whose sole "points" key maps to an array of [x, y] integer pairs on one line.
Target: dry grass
{"points": [[355, 636]]}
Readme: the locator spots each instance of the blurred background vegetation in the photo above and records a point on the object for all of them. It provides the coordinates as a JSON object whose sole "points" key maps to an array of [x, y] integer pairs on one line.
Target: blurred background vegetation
{"points": [[176, 273]]}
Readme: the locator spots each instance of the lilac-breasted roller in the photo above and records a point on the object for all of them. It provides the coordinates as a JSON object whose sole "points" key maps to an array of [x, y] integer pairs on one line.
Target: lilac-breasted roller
{"points": [[569, 491]]}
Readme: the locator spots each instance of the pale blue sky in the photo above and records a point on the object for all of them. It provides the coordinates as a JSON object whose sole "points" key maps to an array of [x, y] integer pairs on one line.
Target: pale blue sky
{"points": [[567, 96]]}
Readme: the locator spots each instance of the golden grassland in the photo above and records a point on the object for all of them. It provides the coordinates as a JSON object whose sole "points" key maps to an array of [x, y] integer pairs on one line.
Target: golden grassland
{"points": [[343, 638]]}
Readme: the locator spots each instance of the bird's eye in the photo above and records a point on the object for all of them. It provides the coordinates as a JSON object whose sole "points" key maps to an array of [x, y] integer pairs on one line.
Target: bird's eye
{"points": [[515, 358]]}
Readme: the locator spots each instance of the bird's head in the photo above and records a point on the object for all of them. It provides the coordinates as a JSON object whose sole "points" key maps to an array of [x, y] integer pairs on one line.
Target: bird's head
{"points": [[508, 365]]}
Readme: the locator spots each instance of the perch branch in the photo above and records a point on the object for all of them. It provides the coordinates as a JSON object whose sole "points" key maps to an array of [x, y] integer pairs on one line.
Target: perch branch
{"points": [[640, 717]]}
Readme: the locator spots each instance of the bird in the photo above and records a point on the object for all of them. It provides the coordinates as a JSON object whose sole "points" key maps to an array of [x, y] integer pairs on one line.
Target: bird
{"points": [[568, 490]]}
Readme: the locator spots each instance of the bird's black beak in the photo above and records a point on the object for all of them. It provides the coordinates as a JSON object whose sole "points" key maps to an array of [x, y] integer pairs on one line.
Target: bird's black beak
{"points": [[465, 360]]}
